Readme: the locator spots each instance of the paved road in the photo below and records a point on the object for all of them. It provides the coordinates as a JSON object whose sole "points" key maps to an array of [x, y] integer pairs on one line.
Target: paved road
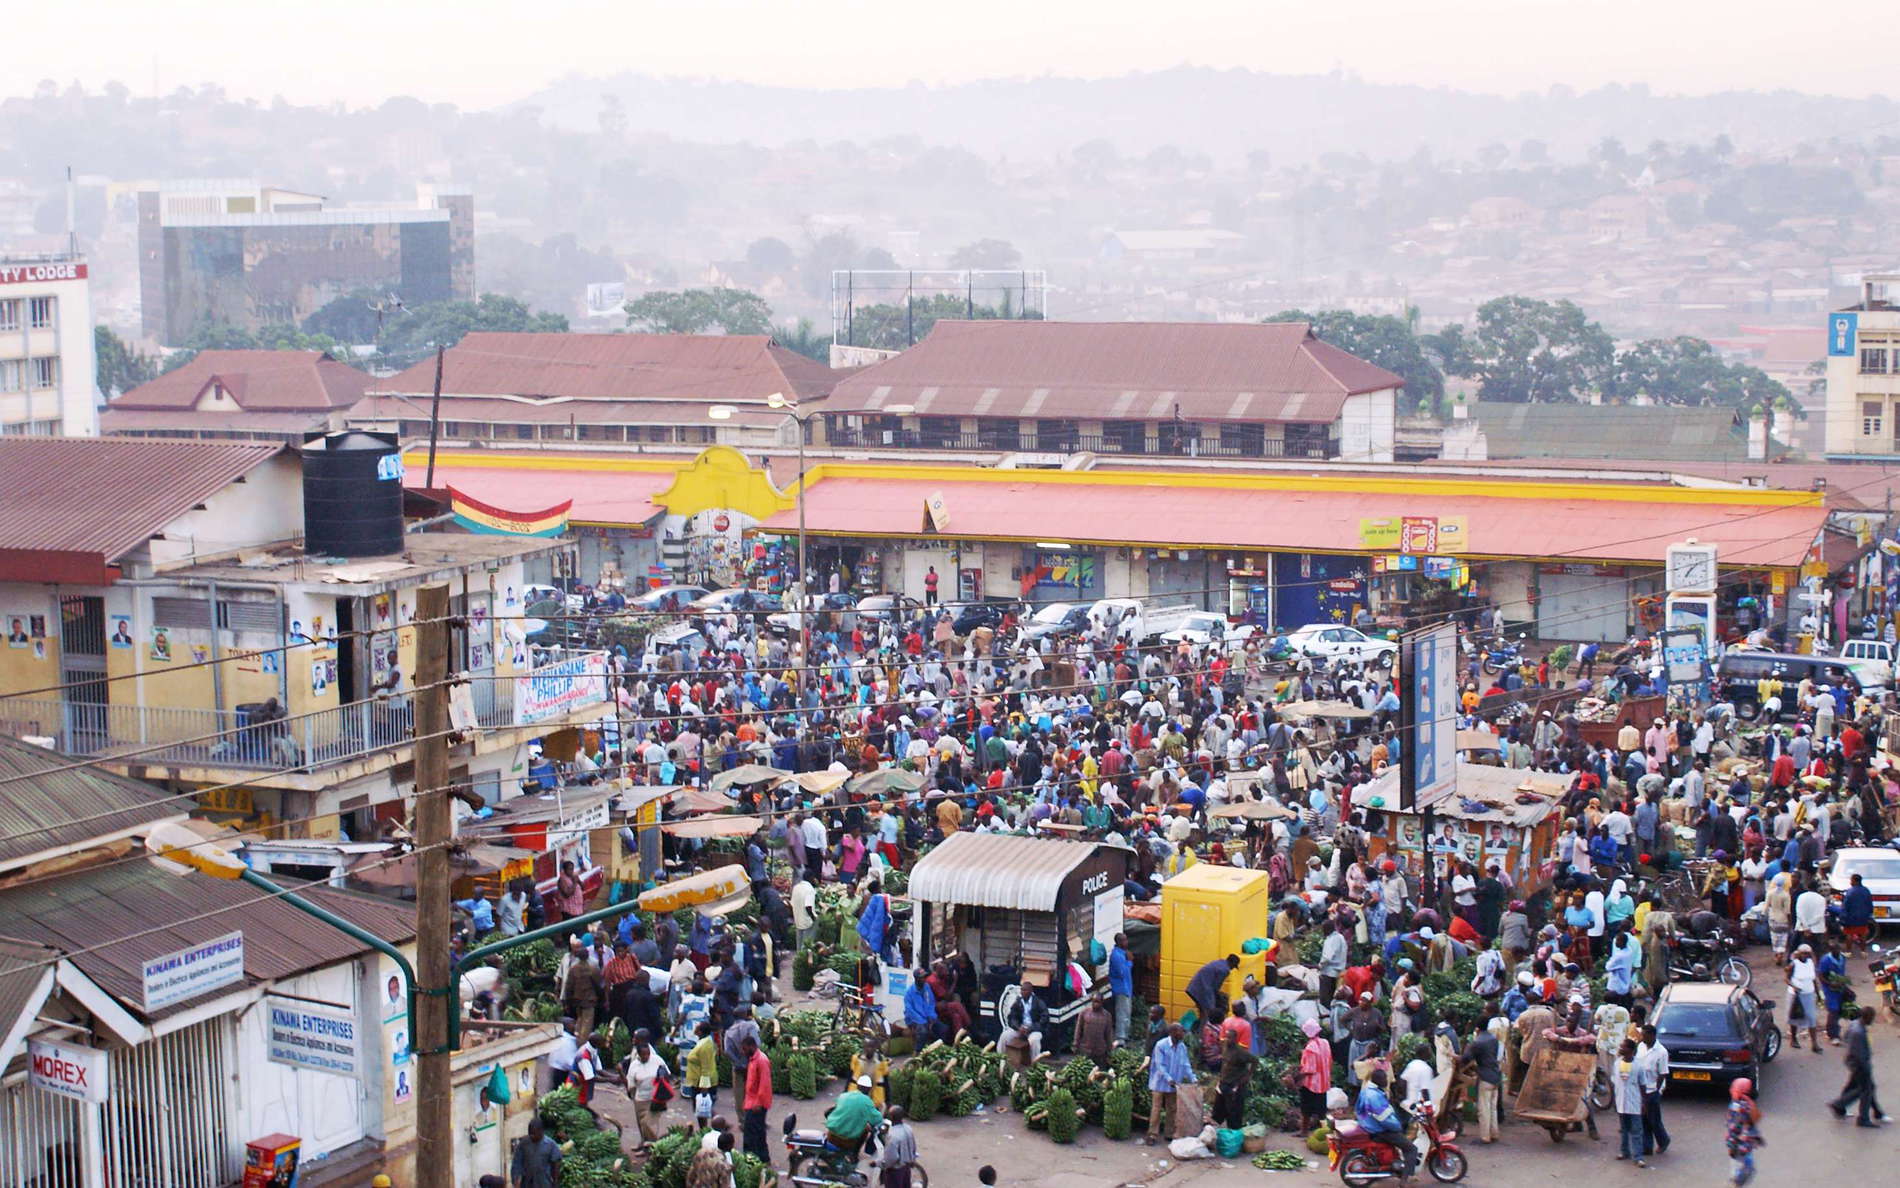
{"points": [[1806, 1145]]}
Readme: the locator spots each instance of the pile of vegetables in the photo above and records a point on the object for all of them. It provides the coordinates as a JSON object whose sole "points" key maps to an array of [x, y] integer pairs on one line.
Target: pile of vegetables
{"points": [[592, 1155], [1279, 1161], [964, 1076], [1082, 1091]]}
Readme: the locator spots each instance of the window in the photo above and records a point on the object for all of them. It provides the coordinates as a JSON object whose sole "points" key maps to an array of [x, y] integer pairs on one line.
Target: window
{"points": [[172, 611], [1871, 415], [603, 433], [41, 311], [46, 371], [524, 432], [1873, 360], [10, 314], [12, 373]]}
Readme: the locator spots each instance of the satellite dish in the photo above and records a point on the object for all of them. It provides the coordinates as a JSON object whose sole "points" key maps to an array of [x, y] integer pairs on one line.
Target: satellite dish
{"points": [[179, 850]]}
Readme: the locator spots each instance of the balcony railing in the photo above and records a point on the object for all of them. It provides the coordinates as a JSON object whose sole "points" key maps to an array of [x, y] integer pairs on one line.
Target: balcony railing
{"points": [[164, 735], [909, 439]]}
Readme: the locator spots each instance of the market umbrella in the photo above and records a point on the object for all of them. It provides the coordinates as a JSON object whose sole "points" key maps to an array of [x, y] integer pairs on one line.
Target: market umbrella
{"points": [[700, 800], [747, 773], [886, 780], [709, 892], [1323, 709], [1253, 810], [715, 825], [820, 782], [1477, 740]]}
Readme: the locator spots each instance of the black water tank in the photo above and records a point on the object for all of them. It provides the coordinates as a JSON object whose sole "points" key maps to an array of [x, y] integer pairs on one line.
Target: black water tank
{"points": [[352, 495]]}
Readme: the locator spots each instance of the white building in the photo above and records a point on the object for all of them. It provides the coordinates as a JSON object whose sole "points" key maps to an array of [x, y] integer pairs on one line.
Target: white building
{"points": [[1863, 373], [46, 364]]}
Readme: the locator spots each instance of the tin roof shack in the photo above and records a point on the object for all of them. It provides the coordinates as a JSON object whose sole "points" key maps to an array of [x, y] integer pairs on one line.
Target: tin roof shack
{"points": [[1496, 814], [1021, 907]]}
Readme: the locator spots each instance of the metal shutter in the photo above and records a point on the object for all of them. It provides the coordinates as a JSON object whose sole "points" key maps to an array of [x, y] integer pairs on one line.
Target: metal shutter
{"points": [[171, 611]]}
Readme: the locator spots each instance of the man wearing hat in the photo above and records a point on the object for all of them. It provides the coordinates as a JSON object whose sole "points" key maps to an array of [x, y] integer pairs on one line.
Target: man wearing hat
{"points": [[852, 1118]]}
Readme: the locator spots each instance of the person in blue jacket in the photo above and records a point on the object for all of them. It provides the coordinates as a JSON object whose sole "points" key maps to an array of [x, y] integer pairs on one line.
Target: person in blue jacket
{"points": [[920, 1009], [1121, 984], [1381, 1122]]}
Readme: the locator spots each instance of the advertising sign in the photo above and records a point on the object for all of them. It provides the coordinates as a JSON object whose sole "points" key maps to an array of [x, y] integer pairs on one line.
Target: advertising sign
{"points": [[1415, 534], [1841, 329], [561, 688], [190, 972], [1683, 655], [305, 1035], [1429, 706], [70, 1072]]}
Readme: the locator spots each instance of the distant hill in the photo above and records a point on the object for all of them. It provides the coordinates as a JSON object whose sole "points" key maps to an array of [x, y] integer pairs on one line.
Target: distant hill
{"points": [[1225, 113]]}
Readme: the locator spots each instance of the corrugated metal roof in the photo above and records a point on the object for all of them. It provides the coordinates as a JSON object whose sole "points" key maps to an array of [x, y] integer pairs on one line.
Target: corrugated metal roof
{"points": [[1274, 371], [105, 496], [26, 974], [1163, 510], [724, 367], [178, 422], [1649, 432], [52, 808], [260, 381], [998, 870], [580, 410], [104, 910]]}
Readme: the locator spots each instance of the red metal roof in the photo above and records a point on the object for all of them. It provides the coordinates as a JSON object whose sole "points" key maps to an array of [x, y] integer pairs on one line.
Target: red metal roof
{"points": [[80, 503], [1161, 512], [619, 497], [260, 381], [1141, 371], [558, 411], [734, 367]]}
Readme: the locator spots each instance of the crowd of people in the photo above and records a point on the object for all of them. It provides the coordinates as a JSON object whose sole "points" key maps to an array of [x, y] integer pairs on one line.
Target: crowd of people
{"points": [[1135, 743]]}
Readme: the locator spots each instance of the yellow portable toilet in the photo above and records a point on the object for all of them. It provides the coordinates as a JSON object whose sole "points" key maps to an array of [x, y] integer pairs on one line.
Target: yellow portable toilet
{"points": [[1207, 912]]}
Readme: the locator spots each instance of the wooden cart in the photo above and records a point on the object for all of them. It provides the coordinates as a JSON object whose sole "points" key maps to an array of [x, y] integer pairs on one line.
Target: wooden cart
{"points": [[1557, 1085]]}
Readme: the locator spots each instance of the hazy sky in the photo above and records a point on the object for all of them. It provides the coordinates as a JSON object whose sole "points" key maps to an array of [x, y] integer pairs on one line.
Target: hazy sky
{"points": [[478, 53]]}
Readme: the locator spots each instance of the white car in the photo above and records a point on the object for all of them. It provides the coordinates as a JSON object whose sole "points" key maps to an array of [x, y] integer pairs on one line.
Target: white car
{"points": [[1879, 869], [1335, 643], [1204, 627]]}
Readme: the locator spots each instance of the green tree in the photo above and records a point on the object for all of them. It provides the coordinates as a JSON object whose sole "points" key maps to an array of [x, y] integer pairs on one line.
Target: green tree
{"points": [[220, 336], [771, 255], [414, 333], [1381, 339], [353, 317], [986, 253], [805, 339], [1687, 371], [700, 311], [893, 326], [117, 368], [1525, 350]]}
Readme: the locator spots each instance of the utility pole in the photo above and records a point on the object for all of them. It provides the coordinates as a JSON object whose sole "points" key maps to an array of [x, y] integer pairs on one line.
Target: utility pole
{"points": [[435, 419], [434, 1112]]}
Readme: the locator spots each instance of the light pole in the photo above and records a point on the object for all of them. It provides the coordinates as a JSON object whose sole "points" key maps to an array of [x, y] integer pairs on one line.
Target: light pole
{"points": [[789, 408]]}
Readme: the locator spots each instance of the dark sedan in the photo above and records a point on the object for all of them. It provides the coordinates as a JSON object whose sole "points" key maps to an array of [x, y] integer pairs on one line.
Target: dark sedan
{"points": [[1715, 1032]]}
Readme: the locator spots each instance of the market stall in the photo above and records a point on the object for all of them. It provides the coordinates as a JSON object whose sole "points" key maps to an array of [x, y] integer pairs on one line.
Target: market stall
{"points": [[1020, 907], [1497, 814], [553, 828]]}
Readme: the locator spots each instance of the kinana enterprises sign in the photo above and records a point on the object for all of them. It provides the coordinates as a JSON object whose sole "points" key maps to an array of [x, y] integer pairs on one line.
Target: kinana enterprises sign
{"points": [[188, 973], [305, 1035]]}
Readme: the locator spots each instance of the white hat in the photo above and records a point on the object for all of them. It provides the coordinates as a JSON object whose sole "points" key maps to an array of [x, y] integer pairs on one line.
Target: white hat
{"points": [[864, 1082]]}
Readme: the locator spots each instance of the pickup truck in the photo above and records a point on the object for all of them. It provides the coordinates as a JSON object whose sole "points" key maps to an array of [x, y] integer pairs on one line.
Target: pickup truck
{"points": [[1871, 662], [1159, 621]]}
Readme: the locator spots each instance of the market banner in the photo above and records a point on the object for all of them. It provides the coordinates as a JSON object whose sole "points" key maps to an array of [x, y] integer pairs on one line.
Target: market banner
{"points": [[559, 689], [476, 516]]}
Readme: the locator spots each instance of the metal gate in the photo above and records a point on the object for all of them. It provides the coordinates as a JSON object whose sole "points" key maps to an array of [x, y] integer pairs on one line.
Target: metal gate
{"points": [[39, 1138], [82, 648], [167, 1124]]}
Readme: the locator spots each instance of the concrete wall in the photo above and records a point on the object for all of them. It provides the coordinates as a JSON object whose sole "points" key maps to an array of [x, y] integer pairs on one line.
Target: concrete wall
{"points": [[1368, 423]]}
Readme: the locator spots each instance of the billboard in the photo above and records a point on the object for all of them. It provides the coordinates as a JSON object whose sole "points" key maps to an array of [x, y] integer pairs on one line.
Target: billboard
{"points": [[559, 689], [1428, 708], [1841, 329]]}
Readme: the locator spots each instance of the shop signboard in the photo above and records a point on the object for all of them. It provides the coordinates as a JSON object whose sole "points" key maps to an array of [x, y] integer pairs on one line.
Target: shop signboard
{"points": [[308, 1035], [559, 689], [77, 1074], [175, 977], [1415, 534]]}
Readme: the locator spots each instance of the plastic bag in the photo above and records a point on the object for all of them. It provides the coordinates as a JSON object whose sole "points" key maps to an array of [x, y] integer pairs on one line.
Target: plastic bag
{"points": [[1187, 1110], [1228, 1143], [1189, 1148]]}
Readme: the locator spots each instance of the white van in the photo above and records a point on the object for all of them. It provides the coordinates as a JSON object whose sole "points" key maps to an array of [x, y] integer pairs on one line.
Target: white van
{"points": [[1871, 661]]}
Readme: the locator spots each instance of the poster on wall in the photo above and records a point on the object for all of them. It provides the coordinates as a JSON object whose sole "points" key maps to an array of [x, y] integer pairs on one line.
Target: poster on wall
{"points": [[382, 610], [16, 631], [36, 626], [121, 631], [161, 645]]}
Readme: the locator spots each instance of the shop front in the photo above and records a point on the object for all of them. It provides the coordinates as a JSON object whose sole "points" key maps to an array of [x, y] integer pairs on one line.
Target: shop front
{"points": [[1587, 602], [1319, 588], [1061, 575], [1184, 577]]}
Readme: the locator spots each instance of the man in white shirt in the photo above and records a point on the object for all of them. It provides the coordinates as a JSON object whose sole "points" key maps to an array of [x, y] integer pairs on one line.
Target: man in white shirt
{"points": [[1810, 917], [804, 910], [812, 833]]}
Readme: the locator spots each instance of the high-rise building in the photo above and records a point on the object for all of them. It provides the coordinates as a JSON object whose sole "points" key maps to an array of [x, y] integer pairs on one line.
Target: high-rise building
{"points": [[46, 365], [1863, 373], [239, 254]]}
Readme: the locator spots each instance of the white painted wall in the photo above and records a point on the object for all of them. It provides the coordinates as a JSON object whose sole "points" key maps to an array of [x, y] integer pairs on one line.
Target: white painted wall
{"points": [[1368, 423], [325, 1110]]}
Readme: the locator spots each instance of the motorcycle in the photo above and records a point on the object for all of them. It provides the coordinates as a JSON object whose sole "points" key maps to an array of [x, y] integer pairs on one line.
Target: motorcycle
{"points": [[1707, 959], [1507, 656], [1360, 1159], [1886, 981], [814, 1161]]}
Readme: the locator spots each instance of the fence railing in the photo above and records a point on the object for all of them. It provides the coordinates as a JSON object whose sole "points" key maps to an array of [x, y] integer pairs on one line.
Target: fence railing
{"points": [[1064, 443], [242, 739]]}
